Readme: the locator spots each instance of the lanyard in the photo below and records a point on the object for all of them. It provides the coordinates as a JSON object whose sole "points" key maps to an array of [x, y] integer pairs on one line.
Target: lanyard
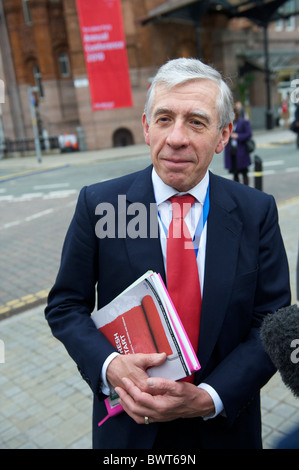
{"points": [[202, 221], [200, 225]]}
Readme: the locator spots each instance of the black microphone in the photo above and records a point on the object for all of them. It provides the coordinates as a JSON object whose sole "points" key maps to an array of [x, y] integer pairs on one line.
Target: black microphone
{"points": [[280, 337]]}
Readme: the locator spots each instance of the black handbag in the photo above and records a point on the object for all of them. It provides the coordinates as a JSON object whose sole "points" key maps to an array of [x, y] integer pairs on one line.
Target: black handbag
{"points": [[250, 145], [293, 127]]}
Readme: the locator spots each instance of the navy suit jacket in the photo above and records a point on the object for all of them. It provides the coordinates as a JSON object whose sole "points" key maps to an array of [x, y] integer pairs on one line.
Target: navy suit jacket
{"points": [[246, 277]]}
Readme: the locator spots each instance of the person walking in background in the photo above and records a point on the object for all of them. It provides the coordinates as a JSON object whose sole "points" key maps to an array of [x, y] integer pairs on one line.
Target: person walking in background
{"points": [[239, 107], [285, 115], [296, 128], [236, 156]]}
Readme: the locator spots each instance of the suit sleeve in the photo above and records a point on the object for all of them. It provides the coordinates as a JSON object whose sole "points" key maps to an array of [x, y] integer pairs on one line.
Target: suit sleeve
{"points": [[246, 369], [72, 298]]}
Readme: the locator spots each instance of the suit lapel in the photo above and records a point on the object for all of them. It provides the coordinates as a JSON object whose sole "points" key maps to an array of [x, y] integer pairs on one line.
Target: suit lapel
{"points": [[223, 236], [144, 252]]}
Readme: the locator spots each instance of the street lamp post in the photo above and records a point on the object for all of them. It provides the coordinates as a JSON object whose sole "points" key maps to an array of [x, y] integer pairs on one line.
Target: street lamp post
{"points": [[34, 122], [269, 114], [2, 136]]}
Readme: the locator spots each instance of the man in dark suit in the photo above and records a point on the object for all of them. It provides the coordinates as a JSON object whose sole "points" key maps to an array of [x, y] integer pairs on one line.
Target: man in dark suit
{"points": [[242, 267]]}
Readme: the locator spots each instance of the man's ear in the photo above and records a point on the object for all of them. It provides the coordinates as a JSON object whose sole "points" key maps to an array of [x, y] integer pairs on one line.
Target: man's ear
{"points": [[145, 129], [224, 137]]}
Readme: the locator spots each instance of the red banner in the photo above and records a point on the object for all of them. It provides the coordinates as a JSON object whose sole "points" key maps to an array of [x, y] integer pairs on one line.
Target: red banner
{"points": [[105, 53]]}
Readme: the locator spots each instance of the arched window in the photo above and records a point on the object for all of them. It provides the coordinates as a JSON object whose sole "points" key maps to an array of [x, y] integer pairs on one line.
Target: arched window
{"points": [[122, 137], [64, 64]]}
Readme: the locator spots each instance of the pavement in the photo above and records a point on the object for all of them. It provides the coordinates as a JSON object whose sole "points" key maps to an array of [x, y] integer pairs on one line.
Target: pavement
{"points": [[45, 404]]}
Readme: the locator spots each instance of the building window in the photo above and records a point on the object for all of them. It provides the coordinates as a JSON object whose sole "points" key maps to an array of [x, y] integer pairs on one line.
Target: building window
{"points": [[289, 10], [38, 81], [296, 11], [122, 137], [64, 64], [279, 24], [27, 14], [290, 23]]}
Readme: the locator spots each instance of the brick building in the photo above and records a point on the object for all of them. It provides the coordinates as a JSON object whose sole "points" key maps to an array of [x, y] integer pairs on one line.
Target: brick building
{"points": [[41, 47]]}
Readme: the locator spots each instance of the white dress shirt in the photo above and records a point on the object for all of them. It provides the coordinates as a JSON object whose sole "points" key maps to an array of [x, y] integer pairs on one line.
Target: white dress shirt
{"points": [[162, 194]]}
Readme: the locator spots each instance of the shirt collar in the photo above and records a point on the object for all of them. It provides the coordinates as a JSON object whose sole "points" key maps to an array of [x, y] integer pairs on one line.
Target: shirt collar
{"points": [[163, 192]]}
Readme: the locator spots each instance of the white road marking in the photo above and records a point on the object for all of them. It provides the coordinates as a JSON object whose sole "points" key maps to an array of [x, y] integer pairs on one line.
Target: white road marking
{"points": [[274, 163], [51, 186], [38, 214], [60, 194], [292, 170], [30, 196]]}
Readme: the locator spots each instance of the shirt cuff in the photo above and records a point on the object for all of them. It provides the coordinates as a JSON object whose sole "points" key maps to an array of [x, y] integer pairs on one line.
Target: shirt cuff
{"points": [[105, 387], [216, 399]]}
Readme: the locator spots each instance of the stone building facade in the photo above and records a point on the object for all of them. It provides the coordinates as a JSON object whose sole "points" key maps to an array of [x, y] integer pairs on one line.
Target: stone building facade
{"points": [[41, 47]]}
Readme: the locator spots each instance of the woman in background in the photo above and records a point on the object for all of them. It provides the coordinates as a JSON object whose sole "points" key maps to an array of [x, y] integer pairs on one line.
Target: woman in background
{"points": [[236, 156]]}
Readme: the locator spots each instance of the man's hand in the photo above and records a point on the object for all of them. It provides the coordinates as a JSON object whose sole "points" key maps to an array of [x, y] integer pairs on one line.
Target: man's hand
{"points": [[133, 366], [164, 400]]}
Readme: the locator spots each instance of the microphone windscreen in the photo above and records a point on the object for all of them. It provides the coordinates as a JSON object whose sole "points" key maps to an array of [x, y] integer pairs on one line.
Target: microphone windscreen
{"points": [[280, 338]]}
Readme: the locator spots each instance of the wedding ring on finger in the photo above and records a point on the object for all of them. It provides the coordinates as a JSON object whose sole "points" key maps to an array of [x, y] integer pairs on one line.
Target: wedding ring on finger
{"points": [[146, 420]]}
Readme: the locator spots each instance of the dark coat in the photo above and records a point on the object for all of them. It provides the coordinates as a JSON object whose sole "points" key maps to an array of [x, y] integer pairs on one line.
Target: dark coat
{"points": [[243, 160], [246, 276]]}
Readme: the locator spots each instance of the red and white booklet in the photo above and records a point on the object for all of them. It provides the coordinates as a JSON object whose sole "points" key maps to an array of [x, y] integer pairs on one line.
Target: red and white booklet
{"points": [[143, 319]]}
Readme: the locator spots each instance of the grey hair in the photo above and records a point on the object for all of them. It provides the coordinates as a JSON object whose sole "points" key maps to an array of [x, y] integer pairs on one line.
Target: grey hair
{"points": [[179, 71]]}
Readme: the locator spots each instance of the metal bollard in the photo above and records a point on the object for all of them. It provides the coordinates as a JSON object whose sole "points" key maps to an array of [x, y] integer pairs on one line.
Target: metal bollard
{"points": [[258, 173]]}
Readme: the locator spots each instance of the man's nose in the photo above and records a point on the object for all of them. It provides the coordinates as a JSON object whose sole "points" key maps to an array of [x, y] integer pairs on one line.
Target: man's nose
{"points": [[178, 135]]}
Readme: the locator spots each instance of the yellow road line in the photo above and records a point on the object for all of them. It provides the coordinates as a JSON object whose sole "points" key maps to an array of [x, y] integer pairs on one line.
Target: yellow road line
{"points": [[289, 201], [31, 172], [23, 301]]}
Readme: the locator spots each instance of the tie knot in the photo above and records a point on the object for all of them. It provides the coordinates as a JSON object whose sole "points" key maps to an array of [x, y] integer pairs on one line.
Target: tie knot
{"points": [[181, 205]]}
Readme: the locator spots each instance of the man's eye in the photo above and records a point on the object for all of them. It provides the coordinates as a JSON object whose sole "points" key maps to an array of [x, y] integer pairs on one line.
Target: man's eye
{"points": [[163, 120], [196, 122]]}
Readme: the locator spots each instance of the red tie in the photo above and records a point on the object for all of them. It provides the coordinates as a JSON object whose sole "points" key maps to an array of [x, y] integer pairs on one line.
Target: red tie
{"points": [[182, 272]]}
